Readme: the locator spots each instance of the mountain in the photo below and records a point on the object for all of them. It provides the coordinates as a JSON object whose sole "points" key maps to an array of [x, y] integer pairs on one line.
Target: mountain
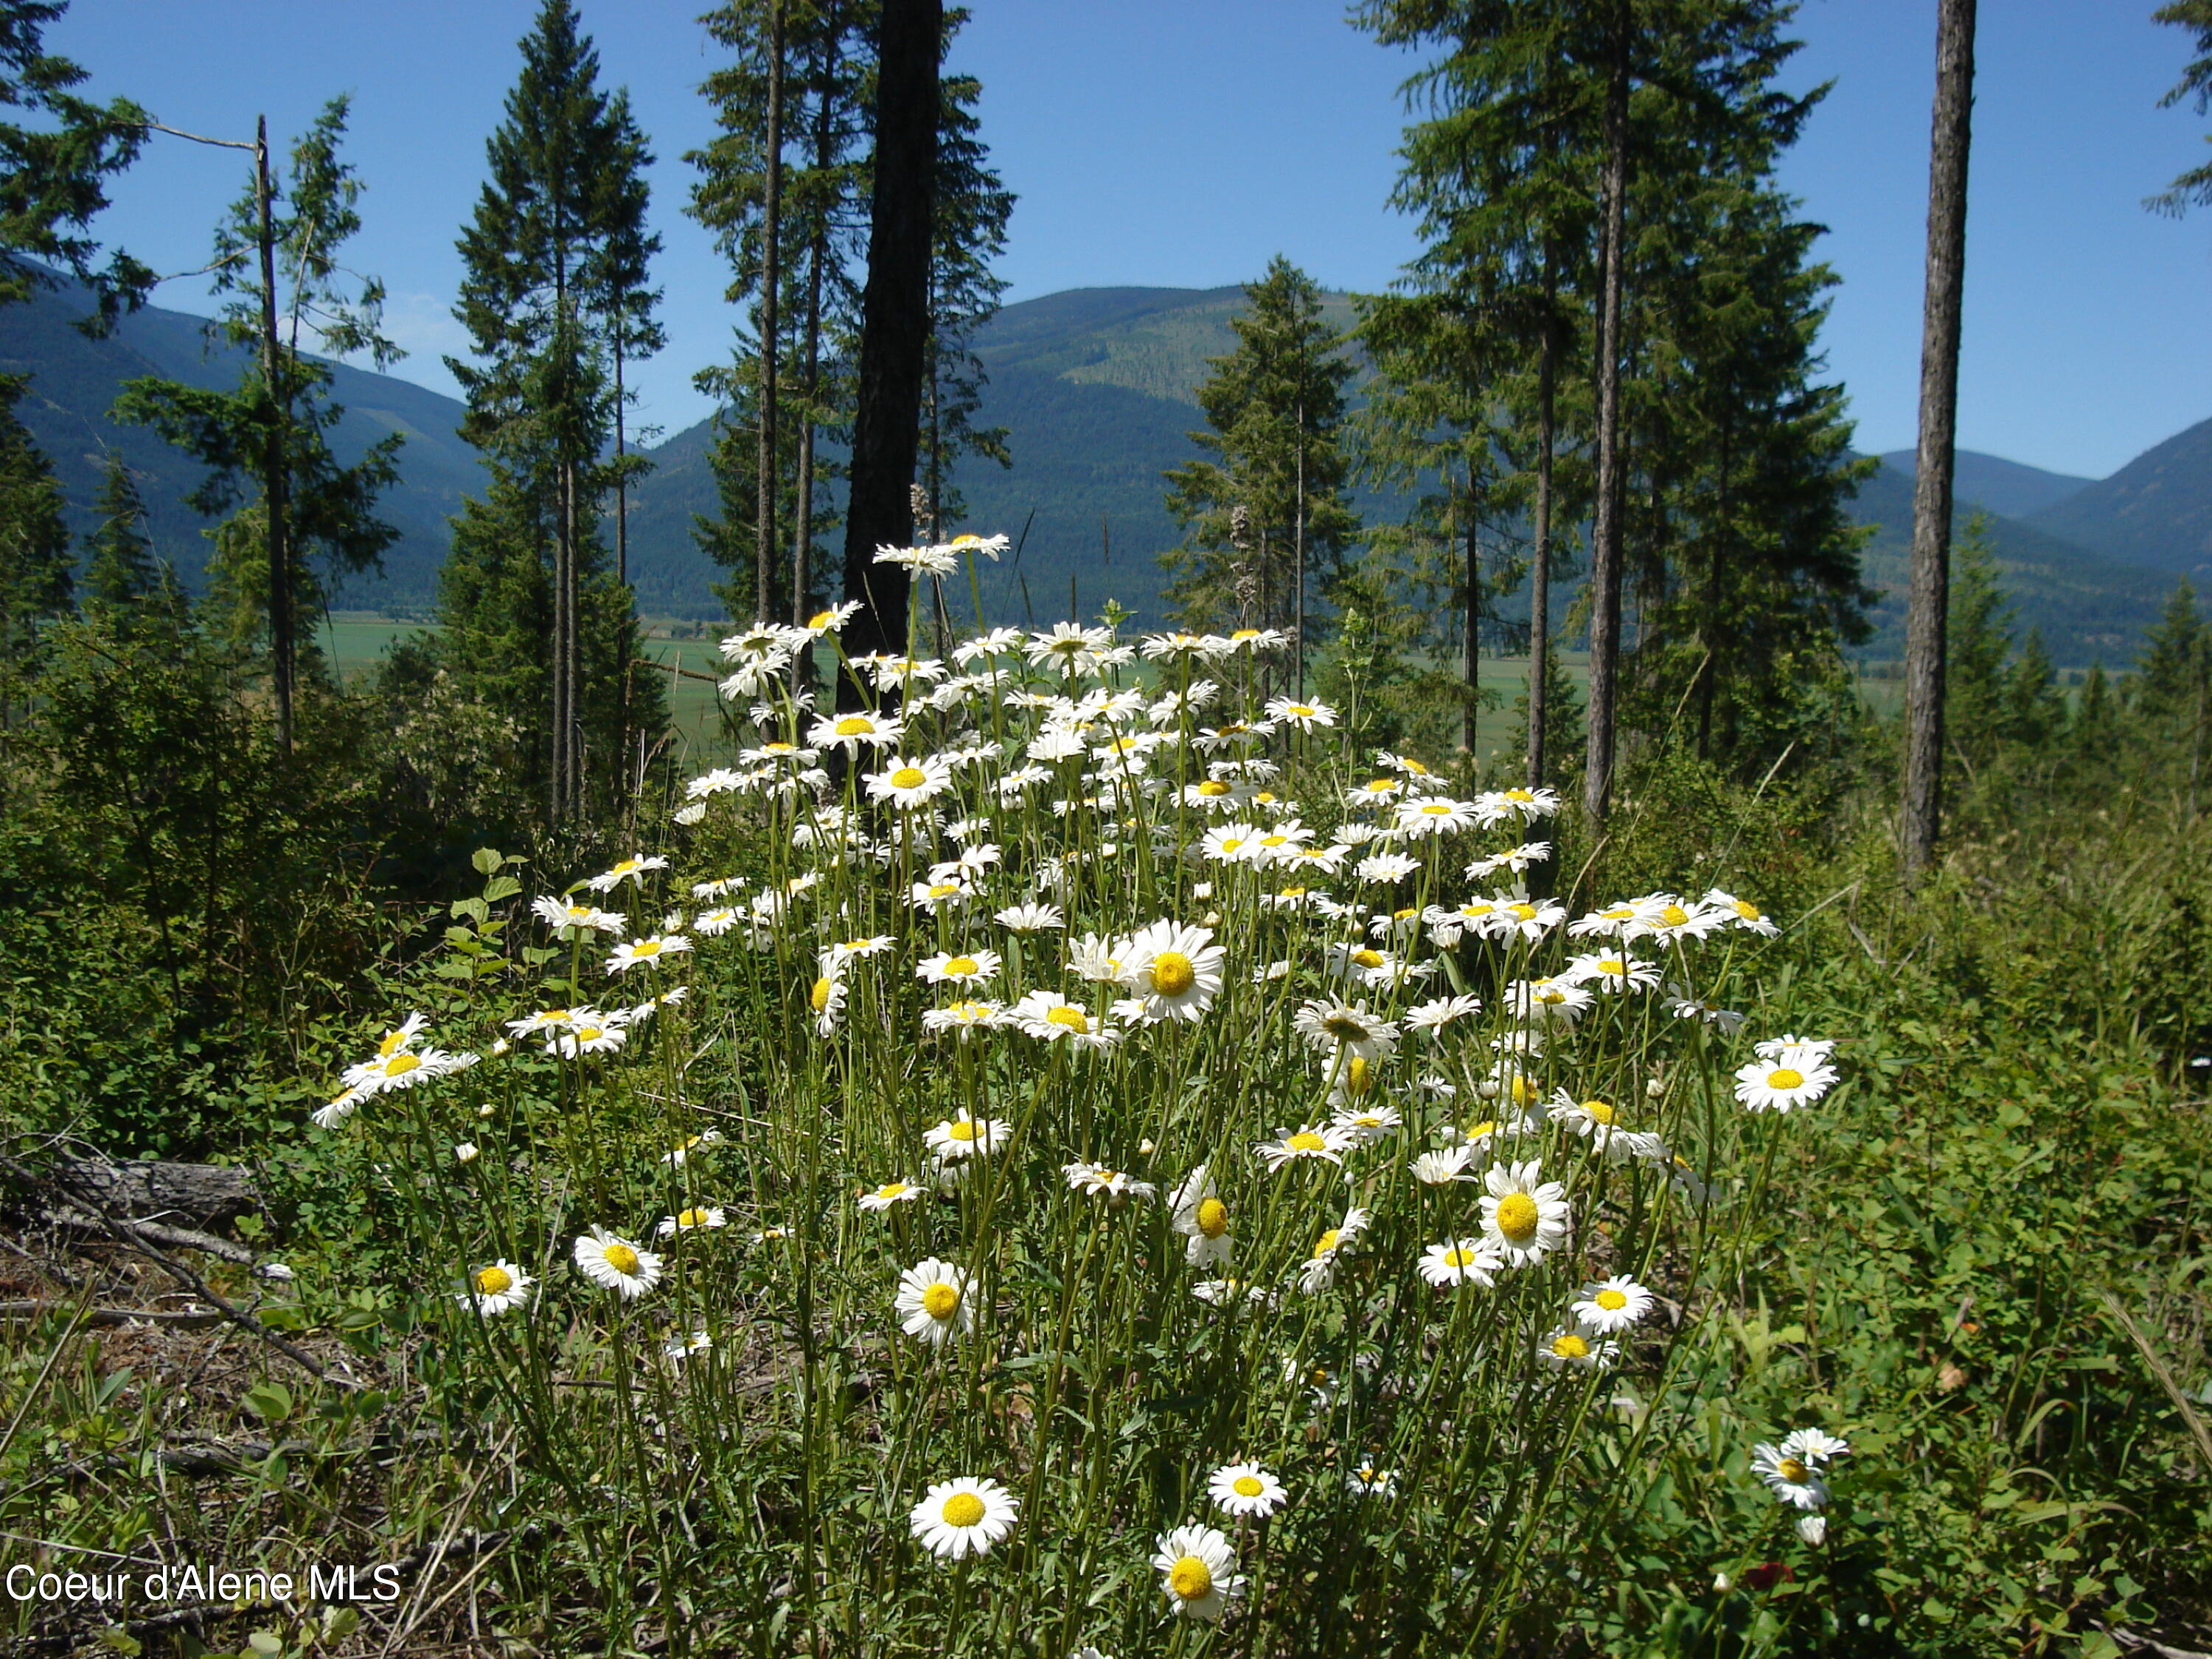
{"points": [[74, 380], [1097, 388], [2155, 511], [2090, 609], [2000, 485]]}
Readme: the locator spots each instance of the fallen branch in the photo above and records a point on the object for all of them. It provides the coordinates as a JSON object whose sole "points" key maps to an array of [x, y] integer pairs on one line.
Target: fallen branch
{"points": [[110, 1315]]}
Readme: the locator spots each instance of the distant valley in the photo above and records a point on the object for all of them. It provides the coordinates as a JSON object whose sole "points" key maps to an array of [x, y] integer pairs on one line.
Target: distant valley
{"points": [[1097, 388]]}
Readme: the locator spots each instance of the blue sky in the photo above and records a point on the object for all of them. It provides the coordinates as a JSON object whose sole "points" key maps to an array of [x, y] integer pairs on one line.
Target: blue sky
{"points": [[1182, 143]]}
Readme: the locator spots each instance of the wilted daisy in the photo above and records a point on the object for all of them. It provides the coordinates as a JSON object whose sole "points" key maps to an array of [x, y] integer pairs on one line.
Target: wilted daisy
{"points": [[966, 1137], [678, 1155], [1368, 1481], [613, 1263], [1097, 1180], [685, 1221], [932, 1302], [1319, 1272], [646, 952], [566, 914], [1198, 1214], [1198, 1572], [689, 1346], [497, 1289], [1524, 1216], [1789, 1476], [962, 1517], [1461, 1261], [1612, 1304], [1245, 1489], [1348, 1026], [1793, 1078], [1315, 1140]]}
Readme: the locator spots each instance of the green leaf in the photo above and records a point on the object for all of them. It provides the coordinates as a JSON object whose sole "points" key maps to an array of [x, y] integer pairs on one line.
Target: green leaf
{"points": [[270, 1401], [501, 887], [487, 860]]}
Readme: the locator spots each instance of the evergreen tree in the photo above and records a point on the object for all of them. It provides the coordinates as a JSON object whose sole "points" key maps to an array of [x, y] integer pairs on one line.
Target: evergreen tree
{"points": [[1979, 632], [2170, 672], [282, 269], [1266, 521], [124, 581], [35, 552], [2035, 709], [554, 291], [2193, 188]]}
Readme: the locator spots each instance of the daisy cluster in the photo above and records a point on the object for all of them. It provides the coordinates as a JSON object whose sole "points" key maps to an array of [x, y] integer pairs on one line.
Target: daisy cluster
{"points": [[1114, 948]]}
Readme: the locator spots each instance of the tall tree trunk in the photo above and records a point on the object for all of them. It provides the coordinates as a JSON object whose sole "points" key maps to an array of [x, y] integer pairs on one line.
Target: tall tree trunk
{"points": [[621, 479], [1606, 530], [1471, 638], [1930, 585], [771, 279], [894, 327], [1709, 624], [564, 566], [818, 254], [1540, 587], [1298, 550], [276, 463]]}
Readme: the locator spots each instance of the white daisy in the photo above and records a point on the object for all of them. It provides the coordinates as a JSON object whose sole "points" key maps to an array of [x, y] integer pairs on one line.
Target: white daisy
{"points": [[646, 952], [1525, 1216], [1246, 1489], [1789, 1477], [632, 869], [1792, 1078], [946, 968], [706, 1218], [1612, 1304], [1198, 1214], [1576, 1349], [907, 783], [964, 1137], [1175, 971], [613, 1263], [1117, 1186], [1197, 1569], [932, 1302], [965, 1516], [497, 1289], [1314, 1141], [1461, 1261]]}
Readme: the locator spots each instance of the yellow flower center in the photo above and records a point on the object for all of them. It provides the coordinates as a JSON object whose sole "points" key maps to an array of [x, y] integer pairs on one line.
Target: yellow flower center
{"points": [[1307, 1141], [1345, 1029], [1519, 795], [645, 947], [393, 1040], [1525, 911], [944, 890], [400, 1065], [494, 1281], [1611, 965], [962, 1128], [855, 726], [1368, 958], [818, 997], [1436, 809], [629, 867], [1173, 974], [1328, 1241], [1524, 1091], [1405, 915], [1212, 1217], [1516, 1217], [1247, 1486], [691, 1218], [1568, 1346], [908, 777], [1382, 786], [1458, 1257], [1477, 1131], [940, 1301], [962, 966], [1791, 1469], [1230, 843], [820, 619], [1273, 840], [963, 1508], [623, 1259], [1747, 910], [1598, 1111], [891, 1189], [1300, 711], [1359, 1076], [1783, 1077], [1073, 1018], [1673, 916], [1213, 787], [589, 1033], [1191, 1579], [1246, 634], [1266, 798], [1611, 1301], [969, 1010]]}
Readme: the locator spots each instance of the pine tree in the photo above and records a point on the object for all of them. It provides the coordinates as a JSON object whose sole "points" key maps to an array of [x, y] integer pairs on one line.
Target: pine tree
{"points": [[124, 581], [554, 292], [2193, 188], [1978, 637], [282, 269], [2035, 709], [34, 551], [1266, 524], [2168, 672]]}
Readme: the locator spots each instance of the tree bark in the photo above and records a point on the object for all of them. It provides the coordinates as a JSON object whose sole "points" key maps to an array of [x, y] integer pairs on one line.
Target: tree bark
{"points": [[893, 328], [1605, 532], [771, 278], [1471, 635], [276, 481], [818, 254], [1929, 590], [1540, 592]]}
